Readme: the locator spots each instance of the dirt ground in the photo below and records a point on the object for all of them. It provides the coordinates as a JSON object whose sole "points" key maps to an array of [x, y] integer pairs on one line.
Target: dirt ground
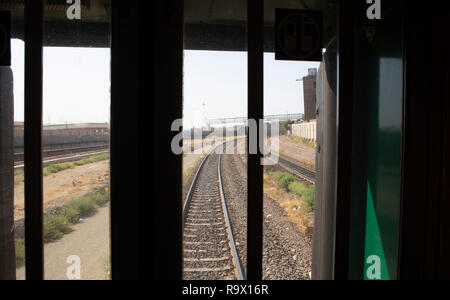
{"points": [[297, 150], [89, 241], [61, 187]]}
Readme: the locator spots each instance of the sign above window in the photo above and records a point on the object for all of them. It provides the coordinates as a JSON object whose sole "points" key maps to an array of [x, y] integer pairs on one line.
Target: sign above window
{"points": [[298, 35]]}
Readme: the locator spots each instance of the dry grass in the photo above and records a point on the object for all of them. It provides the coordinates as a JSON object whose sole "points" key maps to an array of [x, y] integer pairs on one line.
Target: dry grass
{"points": [[20, 251], [19, 175], [305, 142], [298, 212], [187, 173]]}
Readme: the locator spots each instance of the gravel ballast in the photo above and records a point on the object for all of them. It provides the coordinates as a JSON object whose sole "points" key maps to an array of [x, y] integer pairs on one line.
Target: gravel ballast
{"points": [[287, 253]]}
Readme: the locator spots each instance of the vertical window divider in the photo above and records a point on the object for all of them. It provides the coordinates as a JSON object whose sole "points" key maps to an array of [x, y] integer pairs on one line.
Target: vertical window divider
{"points": [[344, 138], [255, 17], [34, 249], [124, 148]]}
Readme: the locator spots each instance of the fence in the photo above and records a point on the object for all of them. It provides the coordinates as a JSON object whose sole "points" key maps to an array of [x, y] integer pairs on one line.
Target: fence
{"points": [[305, 130]]}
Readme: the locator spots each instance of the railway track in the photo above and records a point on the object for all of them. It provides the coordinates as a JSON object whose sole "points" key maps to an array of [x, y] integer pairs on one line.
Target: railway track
{"points": [[19, 157], [302, 171], [209, 248], [66, 155]]}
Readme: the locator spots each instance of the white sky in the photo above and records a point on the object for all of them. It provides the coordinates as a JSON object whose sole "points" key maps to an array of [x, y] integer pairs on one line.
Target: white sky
{"points": [[77, 85]]}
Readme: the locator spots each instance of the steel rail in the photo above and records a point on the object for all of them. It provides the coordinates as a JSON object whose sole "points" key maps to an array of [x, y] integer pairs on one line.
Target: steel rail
{"points": [[298, 170], [64, 159], [18, 157], [304, 173], [193, 184], [236, 260]]}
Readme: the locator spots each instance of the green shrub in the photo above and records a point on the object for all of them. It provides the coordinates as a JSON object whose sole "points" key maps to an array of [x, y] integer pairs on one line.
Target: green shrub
{"points": [[283, 179], [78, 163], [83, 205], [57, 168], [55, 227], [71, 214], [51, 169], [297, 188], [92, 159], [286, 180], [20, 251], [287, 124], [101, 198], [307, 192], [309, 196], [100, 157], [290, 183]]}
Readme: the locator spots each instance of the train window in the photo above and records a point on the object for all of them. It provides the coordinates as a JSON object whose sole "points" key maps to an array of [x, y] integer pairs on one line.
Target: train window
{"points": [[289, 182], [76, 104], [214, 144], [12, 206], [289, 190], [19, 174]]}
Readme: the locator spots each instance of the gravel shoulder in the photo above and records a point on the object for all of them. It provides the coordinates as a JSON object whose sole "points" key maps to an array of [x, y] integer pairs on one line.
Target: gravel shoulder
{"points": [[287, 253]]}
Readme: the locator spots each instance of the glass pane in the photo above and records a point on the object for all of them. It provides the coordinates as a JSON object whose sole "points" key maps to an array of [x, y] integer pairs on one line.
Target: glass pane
{"points": [[76, 137], [293, 92], [12, 208], [215, 109]]}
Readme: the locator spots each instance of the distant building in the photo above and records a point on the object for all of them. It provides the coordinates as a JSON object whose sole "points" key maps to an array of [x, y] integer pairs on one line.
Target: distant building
{"points": [[81, 129], [309, 93]]}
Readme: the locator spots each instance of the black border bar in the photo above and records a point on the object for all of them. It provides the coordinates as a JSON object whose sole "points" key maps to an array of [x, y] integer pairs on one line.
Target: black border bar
{"points": [[34, 249], [255, 15]]}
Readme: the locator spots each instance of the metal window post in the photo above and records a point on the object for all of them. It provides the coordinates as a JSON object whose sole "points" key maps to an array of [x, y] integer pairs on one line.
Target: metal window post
{"points": [[34, 249], [255, 15]]}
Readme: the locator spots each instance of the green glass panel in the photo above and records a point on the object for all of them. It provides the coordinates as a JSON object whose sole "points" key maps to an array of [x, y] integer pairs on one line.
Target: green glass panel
{"points": [[375, 264], [377, 146]]}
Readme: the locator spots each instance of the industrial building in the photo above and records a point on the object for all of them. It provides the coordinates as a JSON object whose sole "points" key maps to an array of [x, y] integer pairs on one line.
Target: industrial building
{"points": [[309, 94]]}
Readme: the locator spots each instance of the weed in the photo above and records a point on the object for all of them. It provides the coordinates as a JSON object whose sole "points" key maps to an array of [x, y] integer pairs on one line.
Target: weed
{"points": [[20, 251], [55, 227], [291, 184], [187, 173], [283, 179], [83, 205]]}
